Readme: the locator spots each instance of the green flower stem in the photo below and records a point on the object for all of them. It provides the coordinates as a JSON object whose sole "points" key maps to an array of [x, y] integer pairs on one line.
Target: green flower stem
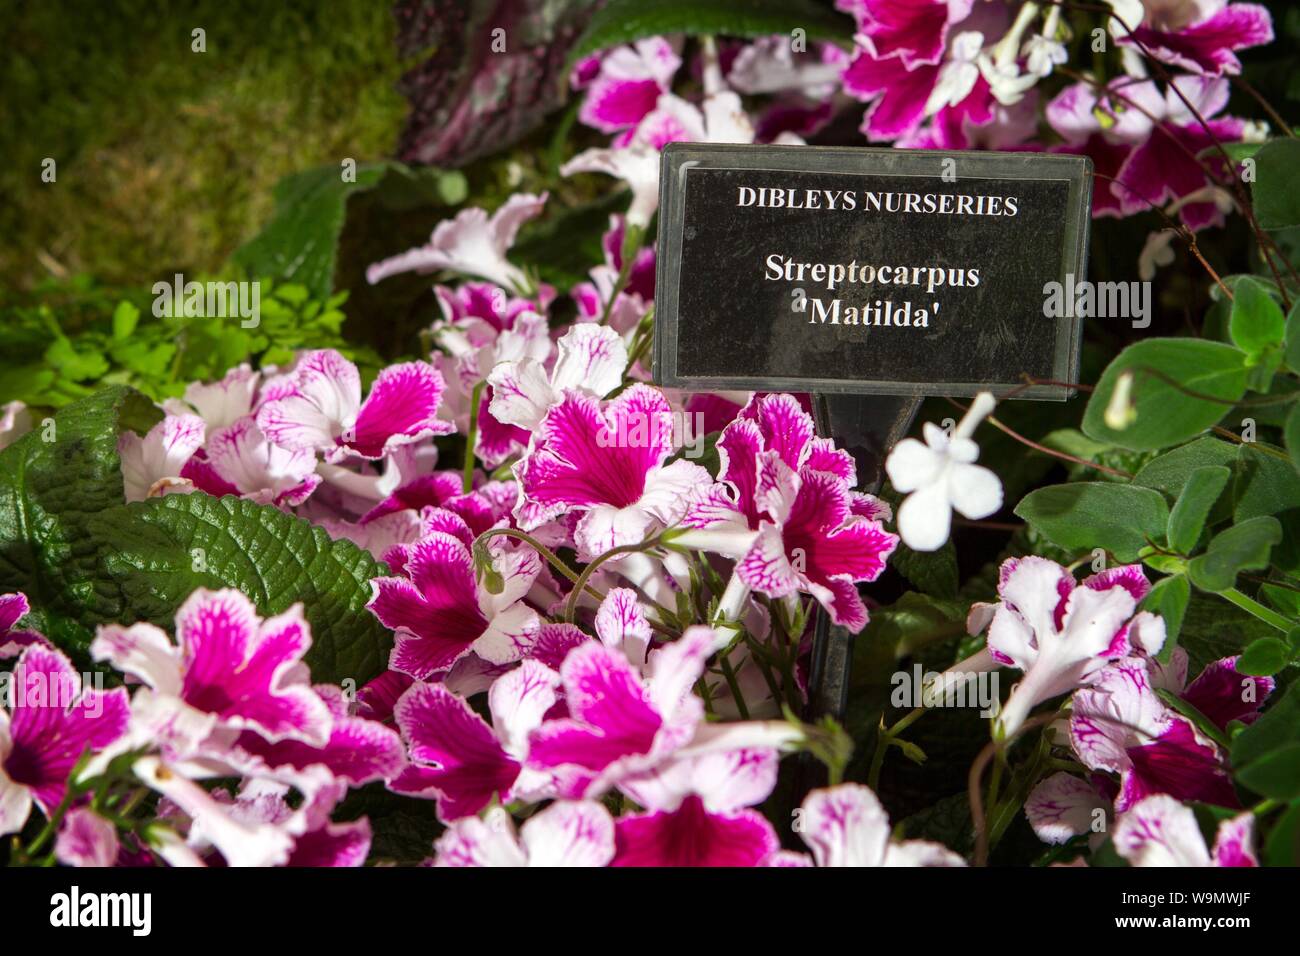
{"points": [[571, 607], [883, 741], [730, 674], [1267, 615], [467, 482], [632, 236], [551, 557]]}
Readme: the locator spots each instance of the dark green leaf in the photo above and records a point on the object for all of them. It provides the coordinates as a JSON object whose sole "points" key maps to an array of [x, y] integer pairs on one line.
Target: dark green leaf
{"points": [[1276, 189], [49, 492], [1267, 483], [300, 242], [623, 21], [1168, 598], [1187, 519], [1257, 322], [1291, 434], [156, 552], [1275, 775], [1243, 547], [1084, 515], [1264, 658], [1167, 414], [1168, 473], [1277, 727]]}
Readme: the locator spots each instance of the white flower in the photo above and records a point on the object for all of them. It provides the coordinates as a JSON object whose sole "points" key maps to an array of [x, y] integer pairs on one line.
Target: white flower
{"points": [[939, 476]]}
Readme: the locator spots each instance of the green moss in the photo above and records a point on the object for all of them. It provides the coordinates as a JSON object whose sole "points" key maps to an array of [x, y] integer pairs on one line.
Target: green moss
{"points": [[165, 156]]}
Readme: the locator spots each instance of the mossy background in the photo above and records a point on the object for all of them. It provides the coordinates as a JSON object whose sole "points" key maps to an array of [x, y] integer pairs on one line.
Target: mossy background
{"points": [[166, 157]]}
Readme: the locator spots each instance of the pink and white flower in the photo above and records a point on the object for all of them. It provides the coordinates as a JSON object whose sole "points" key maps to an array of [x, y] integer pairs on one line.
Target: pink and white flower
{"points": [[318, 407], [1160, 831], [240, 456], [51, 722], [230, 671], [150, 463], [440, 613], [620, 722], [1202, 36], [606, 462], [471, 244], [567, 833], [1119, 725], [15, 422], [459, 759], [847, 826], [86, 839], [13, 639], [220, 403], [1062, 634], [628, 84], [696, 812]]}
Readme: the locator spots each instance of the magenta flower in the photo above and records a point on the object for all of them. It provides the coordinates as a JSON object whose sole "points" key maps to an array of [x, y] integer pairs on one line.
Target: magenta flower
{"points": [[459, 759], [440, 613], [913, 31], [230, 671], [608, 463], [1061, 635], [784, 507], [1220, 691], [567, 833], [847, 826], [1202, 37], [358, 751], [697, 812], [51, 722], [1160, 831], [13, 640], [1165, 167], [86, 839], [628, 84], [318, 407], [621, 724], [1119, 725]]}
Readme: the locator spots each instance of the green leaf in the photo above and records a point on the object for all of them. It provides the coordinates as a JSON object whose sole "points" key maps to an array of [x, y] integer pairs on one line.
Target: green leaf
{"points": [[1291, 434], [1084, 515], [300, 243], [49, 492], [1187, 519], [156, 552], [1213, 629], [1265, 657], [1277, 727], [1257, 322], [1243, 547], [1267, 483], [1291, 352], [623, 21], [1275, 775], [1283, 845], [80, 365], [1168, 473], [1276, 189], [1167, 415], [933, 572], [1168, 598], [125, 318]]}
